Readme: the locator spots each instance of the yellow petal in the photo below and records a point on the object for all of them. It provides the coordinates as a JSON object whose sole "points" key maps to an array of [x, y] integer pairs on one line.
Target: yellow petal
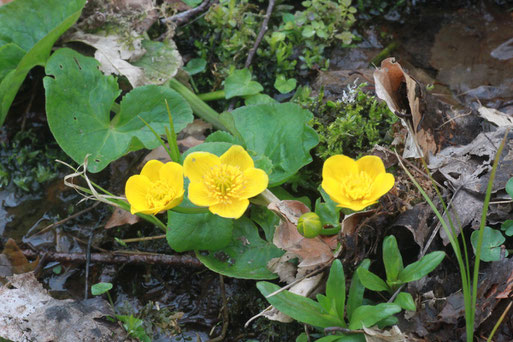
{"points": [[198, 164], [199, 195], [356, 206], [372, 165], [237, 156], [151, 170], [339, 167], [172, 174], [136, 189], [256, 182], [233, 210], [382, 184], [172, 204]]}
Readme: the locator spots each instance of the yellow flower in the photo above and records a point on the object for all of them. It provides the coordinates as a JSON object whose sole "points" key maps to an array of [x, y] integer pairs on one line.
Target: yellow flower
{"points": [[159, 187], [224, 184], [355, 184]]}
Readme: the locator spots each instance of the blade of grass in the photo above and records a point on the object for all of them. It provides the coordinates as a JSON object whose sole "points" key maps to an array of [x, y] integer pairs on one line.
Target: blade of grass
{"points": [[483, 219], [158, 138], [174, 152], [496, 326]]}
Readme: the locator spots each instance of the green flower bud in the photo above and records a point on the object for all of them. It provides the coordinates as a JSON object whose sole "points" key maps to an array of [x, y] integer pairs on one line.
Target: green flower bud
{"points": [[309, 225]]}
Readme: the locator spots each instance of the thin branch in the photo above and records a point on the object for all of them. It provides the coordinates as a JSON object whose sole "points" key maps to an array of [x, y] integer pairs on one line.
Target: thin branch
{"points": [[183, 17], [121, 258], [225, 313], [263, 29]]}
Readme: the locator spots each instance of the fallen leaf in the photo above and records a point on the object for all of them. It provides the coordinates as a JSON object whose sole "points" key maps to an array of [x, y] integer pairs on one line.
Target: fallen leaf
{"points": [[496, 117], [14, 259], [120, 217], [392, 335], [415, 220]]}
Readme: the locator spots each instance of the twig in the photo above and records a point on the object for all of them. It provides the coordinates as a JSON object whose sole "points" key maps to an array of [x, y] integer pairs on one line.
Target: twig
{"points": [[121, 258], [183, 17], [146, 238], [226, 316], [58, 223], [342, 330], [88, 262], [263, 29]]}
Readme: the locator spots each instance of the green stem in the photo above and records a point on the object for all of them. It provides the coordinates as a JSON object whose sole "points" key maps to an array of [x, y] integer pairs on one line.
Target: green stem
{"points": [[384, 53], [330, 231], [199, 107], [184, 210], [483, 222], [212, 96]]}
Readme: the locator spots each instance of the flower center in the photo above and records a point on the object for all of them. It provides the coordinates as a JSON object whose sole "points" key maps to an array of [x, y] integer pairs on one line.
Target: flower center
{"points": [[159, 195], [224, 182], [358, 187]]}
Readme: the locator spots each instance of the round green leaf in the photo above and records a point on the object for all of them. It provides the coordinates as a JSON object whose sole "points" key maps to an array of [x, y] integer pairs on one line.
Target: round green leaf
{"points": [[507, 227], [245, 257], [195, 66], [160, 62], [79, 99], [100, 288], [509, 187], [239, 83], [187, 232], [284, 85], [280, 132], [491, 247]]}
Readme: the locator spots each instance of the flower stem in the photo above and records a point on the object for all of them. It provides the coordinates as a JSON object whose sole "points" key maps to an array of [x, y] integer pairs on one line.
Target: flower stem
{"points": [[212, 96]]}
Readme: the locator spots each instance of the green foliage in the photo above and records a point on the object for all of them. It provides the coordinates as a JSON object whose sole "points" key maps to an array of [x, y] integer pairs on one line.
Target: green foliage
{"points": [[297, 31], [491, 247], [507, 227], [350, 126], [100, 288], [395, 272], [328, 310], [26, 40], [79, 99], [239, 83], [247, 254], [27, 167], [134, 327]]}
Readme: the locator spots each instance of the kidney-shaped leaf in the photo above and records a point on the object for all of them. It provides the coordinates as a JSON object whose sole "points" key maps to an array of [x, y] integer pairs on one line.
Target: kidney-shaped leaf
{"points": [[245, 257], [187, 232], [79, 99], [28, 30], [300, 308], [280, 132], [491, 247]]}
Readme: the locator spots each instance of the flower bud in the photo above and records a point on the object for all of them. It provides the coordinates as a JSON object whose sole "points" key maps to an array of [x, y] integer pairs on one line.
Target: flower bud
{"points": [[309, 225]]}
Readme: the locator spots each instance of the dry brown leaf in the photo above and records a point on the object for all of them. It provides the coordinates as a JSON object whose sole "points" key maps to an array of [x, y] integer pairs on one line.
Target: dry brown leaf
{"points": [[17, 261], [120, 217], [188, 142], [392, 335], [312, 253], [496, 117]]}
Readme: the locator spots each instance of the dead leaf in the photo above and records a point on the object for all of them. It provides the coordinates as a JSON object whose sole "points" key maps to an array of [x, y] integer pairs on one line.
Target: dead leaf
{"points": [[312, 253], [496, 117], [352, 221], [14, 259], [392, 335], [188, 142], [120, 217], [29, 313], [415, 220]]}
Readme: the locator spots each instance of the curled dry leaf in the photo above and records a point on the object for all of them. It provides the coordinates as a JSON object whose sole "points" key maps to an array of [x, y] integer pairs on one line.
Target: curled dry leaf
{"points": [[392, 335], [13, 261], [120, 217], [496, 117]]}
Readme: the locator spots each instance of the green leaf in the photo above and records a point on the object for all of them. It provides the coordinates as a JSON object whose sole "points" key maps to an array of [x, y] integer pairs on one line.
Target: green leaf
{"points": [[284, 85], [343, 338], [356, 290], [405, 301], [239, 83], [308, 31], [195, 66], [31, 26], [245, 257], [266, 219], [160, 62], [336, 288], [280, 132], [507, 227], [258, 99], [509, 187], [421, 268], [491, 247], [187, 232], [79, 99], [392, 258], [368, 315], [300, 308], [328, 212], [100, 288], [371, 281]]}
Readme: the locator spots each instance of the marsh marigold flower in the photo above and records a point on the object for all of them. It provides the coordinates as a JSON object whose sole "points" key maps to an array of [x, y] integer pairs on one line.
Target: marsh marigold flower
{"points": [[224, 184], [159, 187], [355, 184]]}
